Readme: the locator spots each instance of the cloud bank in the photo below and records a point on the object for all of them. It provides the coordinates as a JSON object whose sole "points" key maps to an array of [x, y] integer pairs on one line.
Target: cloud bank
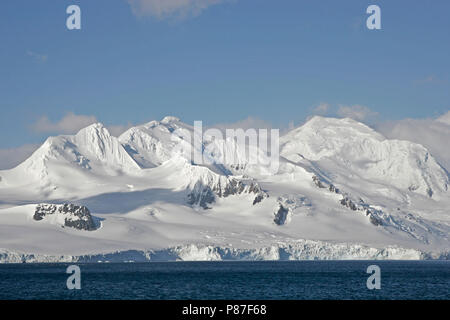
{"points": [[434, 134], [71, 123], [356, 112], [10, 158], [162, 9], [248, 123], [445, 118], [322, 109]]}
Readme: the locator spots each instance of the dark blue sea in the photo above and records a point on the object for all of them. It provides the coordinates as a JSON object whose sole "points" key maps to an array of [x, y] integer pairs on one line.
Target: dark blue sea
{"points": [[229, 280]]}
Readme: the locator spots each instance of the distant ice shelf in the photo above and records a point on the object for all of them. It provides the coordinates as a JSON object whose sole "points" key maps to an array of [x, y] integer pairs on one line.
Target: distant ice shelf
{"points": [[294, 251]]}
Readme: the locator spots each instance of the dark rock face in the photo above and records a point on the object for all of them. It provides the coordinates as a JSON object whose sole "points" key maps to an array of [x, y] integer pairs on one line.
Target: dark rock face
{"points": [[371, 213], [317, 182], [325, 185], [349, 204], [238, 167], [204, 195], [77, 217], [375, 220], [281, 215], [42, 210], [256, 189], [253, 187], [259, 198], [332, 188], [373, 217], [231, 188], [362, 206]]}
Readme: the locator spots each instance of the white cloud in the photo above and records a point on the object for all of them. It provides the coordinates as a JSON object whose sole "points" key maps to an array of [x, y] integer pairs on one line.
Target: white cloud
{"points": [[10, 158], [356, 112], [434, 134], [162, 9], [322, 109], [71, 123], [444, 118], [248, 123]]}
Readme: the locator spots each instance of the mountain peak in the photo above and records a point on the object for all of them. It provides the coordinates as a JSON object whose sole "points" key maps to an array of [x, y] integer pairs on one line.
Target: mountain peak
{"points": [[335, 122], [327, 128], [95, 133], [169, 119], [95, 127], [347, 145]]}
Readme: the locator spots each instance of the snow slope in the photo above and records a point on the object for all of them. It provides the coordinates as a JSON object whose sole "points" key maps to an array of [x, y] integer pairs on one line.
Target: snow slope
{"points": [[357, 148], [342, 191], [151, 144]]}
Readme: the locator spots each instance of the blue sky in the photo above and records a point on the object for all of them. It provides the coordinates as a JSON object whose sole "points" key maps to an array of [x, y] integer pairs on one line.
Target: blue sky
{"points": [[273, 60]]}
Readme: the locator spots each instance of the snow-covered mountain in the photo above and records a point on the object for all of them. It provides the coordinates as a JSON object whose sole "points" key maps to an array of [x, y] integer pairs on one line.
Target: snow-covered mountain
{"points": [[92, 149], [344, 145], [341, 190], [151, 144]]}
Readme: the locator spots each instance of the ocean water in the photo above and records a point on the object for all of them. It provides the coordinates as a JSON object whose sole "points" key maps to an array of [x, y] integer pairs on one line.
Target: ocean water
{"points": [[229, 280]]}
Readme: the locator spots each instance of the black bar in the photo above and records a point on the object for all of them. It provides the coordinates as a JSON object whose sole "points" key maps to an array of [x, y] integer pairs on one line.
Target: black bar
{"points": [[223, 309]]}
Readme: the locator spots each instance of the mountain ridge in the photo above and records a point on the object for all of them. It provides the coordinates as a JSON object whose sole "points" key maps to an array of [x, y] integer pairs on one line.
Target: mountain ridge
{"points": [[338, 181]]}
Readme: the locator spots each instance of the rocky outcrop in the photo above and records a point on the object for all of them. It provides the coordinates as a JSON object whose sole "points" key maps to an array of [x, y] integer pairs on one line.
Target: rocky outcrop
{"points": [[290, 205], [332, 188], [346, 202], [204, 195], [374, 215], [323, 185], [317, 182], [77, 217], [374, 219], [260, 197], [281, 215], [201, 196]]}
